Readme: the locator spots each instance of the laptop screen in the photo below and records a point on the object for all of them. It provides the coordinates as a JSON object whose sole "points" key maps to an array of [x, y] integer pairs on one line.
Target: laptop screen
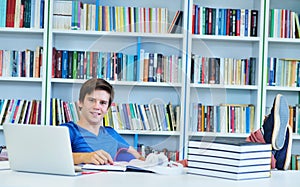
{"points": [[39, 148]]}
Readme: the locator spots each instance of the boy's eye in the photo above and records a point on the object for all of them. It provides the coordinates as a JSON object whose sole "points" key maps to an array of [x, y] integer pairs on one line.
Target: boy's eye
{"points": [[91, 99]]}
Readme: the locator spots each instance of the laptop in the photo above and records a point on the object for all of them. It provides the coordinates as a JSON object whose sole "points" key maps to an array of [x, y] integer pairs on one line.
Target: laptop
{"points": [[39, 149]]}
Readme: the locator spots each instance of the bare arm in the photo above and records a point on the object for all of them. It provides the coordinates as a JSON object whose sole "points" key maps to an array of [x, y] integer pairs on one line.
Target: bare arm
{"points": [[99, 157], [135, 153]]}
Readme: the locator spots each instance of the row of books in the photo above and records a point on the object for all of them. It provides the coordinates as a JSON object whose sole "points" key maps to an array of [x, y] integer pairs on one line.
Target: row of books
{"points": [[295, 162], [147, 67], [225, 71], [20, 111], [283, 72], [224, 21], [294, 120], [284, 23], [229, 158], [78, 15], [132, 116], [63, 111], [22, 13], [27, 63], [126, 116], [225, 118]]}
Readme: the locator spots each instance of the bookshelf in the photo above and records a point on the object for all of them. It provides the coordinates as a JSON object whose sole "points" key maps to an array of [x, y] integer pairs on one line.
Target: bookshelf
{"points": [[184, 44], [17, 40], [123, 40], [222, 45], [281, 46]]}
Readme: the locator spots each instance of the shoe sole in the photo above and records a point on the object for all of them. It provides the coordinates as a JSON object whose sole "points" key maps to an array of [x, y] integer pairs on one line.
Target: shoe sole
{"points": [[288, 151], [281, 118]]}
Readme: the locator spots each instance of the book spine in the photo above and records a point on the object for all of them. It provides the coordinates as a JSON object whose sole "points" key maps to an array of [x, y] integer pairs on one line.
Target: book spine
{"points": [[58, 64], [254, 22], [64, 68]]}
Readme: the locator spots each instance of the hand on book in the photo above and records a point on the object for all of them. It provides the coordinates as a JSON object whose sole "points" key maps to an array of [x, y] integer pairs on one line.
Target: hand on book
{"points": [[156, 163]]}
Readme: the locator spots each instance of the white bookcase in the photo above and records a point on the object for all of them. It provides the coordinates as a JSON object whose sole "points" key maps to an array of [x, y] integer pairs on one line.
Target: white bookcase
{"points": [[280, 47], [126, 91], [221, 46], [183, 44], [25, 88]]}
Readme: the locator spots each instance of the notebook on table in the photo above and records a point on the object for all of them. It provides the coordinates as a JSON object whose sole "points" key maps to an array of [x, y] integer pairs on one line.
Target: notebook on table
{"points": [[39, 149]]}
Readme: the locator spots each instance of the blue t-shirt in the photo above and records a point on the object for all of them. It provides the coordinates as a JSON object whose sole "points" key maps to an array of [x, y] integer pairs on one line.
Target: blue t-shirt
{"points": [[83, 140]]}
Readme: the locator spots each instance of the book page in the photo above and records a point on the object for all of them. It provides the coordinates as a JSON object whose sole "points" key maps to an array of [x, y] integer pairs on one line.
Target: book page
{"points": [[169, 168]]}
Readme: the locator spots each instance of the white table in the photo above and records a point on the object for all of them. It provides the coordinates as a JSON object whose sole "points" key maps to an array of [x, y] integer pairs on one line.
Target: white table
{"points": [[10, 178]]}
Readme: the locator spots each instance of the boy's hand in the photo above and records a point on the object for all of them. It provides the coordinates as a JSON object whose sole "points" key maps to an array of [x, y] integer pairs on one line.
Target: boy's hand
{"points": [[99, 157]]}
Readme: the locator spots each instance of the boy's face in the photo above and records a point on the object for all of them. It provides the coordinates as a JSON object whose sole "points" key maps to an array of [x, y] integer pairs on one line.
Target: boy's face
{"points": [[95, 106]]}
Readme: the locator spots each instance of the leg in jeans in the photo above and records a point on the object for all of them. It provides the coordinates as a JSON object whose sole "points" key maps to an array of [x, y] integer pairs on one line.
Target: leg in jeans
{"points": [[277, 132], [283, 156], [275, 125]]}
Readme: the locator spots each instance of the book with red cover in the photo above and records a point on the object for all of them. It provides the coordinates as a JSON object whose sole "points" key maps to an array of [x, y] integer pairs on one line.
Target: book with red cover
{"points": [[10, 13]]}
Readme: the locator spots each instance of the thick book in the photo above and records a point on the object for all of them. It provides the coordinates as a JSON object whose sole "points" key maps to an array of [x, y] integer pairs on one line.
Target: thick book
{"points": [[229, 158], [228, 161], [229, 175], [229, 145], [229, 168], [171, 168]]}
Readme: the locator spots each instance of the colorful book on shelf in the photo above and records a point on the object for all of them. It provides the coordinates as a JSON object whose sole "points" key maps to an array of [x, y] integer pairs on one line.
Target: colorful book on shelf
{"points": [[4, 110], [254, 22], [176, 23], [3, 5], [10, 13]]}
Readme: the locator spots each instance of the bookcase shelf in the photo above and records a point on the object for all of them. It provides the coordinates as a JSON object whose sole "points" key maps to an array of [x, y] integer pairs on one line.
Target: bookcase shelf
{"points": [[120, 83], [282, 88], [150, 133], [219, 86], [23, 31], [117, 34], [284, 40], [226, 38], [211, 134], [20, 79]]}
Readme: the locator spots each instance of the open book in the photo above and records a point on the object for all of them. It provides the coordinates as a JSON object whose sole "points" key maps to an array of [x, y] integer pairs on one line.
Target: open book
{"points": [[167, 168]]}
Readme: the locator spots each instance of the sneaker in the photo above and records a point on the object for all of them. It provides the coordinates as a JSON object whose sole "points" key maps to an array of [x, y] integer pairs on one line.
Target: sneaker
{"points": [[275, 125], [283, 156]]}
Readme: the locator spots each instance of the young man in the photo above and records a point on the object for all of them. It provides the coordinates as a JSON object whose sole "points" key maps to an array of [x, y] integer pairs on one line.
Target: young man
{"points": [[276, 131], [90, 141]]}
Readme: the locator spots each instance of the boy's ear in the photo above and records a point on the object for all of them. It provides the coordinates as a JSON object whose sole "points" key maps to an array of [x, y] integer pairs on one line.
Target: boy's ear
{"points": [[79, 104]]}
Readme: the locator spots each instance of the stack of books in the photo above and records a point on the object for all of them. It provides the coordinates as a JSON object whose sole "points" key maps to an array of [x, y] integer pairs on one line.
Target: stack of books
{"points": [[229, 159]]}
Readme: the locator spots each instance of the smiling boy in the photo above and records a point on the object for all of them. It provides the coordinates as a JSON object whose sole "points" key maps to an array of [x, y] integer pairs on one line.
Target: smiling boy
{"points": [[92, 142]]}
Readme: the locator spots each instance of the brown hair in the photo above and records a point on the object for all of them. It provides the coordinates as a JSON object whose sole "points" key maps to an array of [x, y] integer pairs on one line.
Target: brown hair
{"points": [[96, 84]]}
